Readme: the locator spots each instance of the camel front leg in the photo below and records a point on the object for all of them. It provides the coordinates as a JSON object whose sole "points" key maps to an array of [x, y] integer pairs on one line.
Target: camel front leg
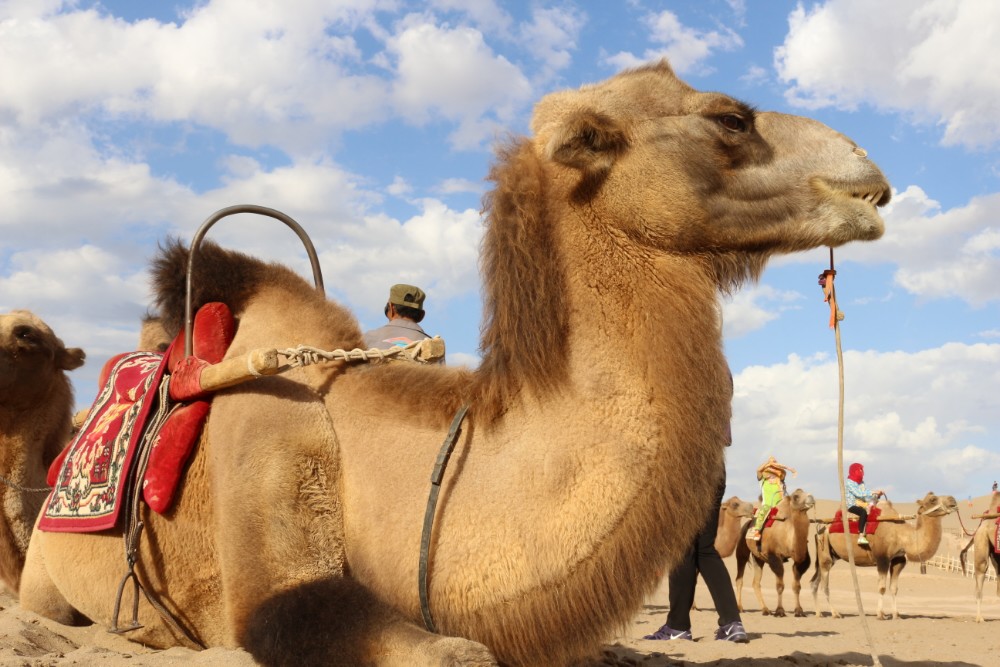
{"points": [[758, 572], [883, 571], [797, 571], [824, 561], [742, 556], [38, 593], [779, 583], [337, 621], [897, 568]]}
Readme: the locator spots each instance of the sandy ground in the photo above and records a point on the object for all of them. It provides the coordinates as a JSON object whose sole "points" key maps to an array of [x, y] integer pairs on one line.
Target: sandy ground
{"points": [[937, 628]]}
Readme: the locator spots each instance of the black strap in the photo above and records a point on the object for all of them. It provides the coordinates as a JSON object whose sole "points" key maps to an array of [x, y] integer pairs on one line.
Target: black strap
{"points": [[425, 539]]}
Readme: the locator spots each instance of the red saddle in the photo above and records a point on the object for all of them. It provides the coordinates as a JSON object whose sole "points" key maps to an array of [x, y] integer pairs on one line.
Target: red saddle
{"points": [[837, 526], [212, 332]]}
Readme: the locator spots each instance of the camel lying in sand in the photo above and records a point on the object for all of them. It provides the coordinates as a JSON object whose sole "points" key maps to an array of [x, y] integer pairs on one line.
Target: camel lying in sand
{"points": [[611, 230], [36, 404], [787, 538], [890, 546], [984, 554]]}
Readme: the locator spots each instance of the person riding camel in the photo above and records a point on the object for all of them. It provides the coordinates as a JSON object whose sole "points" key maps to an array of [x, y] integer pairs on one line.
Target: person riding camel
{"points": [[859, 499], [771, 476]]}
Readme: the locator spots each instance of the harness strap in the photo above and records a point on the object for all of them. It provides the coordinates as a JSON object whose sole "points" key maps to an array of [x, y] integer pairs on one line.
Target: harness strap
{"points": [[425, 539], [134, 526]]}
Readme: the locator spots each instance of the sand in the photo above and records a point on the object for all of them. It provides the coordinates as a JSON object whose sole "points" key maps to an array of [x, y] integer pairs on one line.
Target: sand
{"points": [[937, 627]]}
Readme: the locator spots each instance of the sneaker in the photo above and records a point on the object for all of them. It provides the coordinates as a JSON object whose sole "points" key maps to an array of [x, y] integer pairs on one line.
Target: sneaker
{"points": [[732, 632], [753, 534], [668, 633], [862, 540]]}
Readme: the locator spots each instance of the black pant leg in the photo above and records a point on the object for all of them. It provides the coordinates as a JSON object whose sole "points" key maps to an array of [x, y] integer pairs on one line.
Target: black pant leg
{"points": [[712, 569], [862, 515], [682, 580]]}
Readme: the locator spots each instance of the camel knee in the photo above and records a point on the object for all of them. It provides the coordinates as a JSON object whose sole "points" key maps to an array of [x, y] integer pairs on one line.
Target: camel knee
{"points": [[339, 622]]}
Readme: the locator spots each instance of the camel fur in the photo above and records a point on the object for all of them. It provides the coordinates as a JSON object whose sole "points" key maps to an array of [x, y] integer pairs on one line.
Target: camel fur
{"points": [[983, 554], [609, 235], [890, 546], [36, 405], [785, 539], [729, 531]]}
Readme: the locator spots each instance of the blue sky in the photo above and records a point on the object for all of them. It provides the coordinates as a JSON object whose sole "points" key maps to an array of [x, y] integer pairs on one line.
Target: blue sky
{"points": [[371, 122]]}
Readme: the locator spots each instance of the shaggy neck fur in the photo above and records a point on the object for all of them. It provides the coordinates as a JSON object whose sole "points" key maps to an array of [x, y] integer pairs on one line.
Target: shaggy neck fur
{"points": [[29, 441], [628, 346]]}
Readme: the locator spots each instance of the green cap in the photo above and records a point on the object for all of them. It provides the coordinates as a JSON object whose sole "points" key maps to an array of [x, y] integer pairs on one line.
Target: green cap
{"points": [[410, 296]]}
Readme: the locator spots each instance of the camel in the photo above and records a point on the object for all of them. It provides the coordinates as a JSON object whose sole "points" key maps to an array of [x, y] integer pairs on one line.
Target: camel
{"points": [[890, 546], [153, 337], [787, 538], [297, 534], [984, 554], [36, 403], [731, 518]]}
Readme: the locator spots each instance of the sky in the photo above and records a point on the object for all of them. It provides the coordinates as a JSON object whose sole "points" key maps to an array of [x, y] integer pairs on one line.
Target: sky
{"points": [[372, 123]]}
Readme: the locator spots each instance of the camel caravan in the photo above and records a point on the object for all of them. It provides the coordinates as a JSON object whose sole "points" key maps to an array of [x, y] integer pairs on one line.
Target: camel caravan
{"points": [[299, 523]]}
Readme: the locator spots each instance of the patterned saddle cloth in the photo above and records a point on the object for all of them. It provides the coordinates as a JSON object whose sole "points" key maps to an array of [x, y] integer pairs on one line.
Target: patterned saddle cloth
{"points": [[146, 398], [90, 482], [837, 526], [996, 536]]}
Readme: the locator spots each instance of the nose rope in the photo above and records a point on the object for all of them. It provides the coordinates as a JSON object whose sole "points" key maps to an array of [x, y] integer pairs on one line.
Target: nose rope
{"points": [[836, 316]]}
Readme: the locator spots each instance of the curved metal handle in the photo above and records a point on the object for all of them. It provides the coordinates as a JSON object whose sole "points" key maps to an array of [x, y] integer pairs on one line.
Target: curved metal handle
{"points": [[219, 215]]}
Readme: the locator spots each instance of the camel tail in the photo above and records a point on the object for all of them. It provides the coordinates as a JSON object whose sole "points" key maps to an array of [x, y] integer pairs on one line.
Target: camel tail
{"points": [[961, 555]]}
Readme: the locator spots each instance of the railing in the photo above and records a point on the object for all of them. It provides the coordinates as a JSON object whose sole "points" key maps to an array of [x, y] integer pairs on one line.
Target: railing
{"points": [[953, 564]]}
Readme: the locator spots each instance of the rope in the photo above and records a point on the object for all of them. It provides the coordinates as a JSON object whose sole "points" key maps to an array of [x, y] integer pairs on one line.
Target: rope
{"points": [[306, 355], [24, 489], [962, 524], [826, 281]]}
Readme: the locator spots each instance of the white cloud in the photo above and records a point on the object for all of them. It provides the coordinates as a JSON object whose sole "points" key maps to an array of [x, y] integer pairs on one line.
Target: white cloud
{"points": [[454, 73], [909, 417], [686, 48], [753, 307], [437, 249], [551, 37], [941, 254], [935, 61]]}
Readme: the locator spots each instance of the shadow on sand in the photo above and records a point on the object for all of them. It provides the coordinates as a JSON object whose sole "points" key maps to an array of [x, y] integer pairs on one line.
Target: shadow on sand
{"points": [[619, 656]]}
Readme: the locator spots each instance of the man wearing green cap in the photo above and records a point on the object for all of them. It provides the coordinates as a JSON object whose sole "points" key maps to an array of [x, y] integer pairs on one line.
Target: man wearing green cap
{"points": [[405, 309]]}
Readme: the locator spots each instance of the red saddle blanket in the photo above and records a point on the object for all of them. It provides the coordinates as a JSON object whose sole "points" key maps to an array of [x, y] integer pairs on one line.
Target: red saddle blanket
{"points": [[996, 536], [770, 517], [88, 489], [837, 526]]}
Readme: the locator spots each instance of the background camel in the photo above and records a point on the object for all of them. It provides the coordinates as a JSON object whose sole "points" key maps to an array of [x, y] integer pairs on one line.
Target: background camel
{"points": [[890, 546], [153, 336], [731, 517], [635, 202], [36, 404], [786, 539], [984, 553]]}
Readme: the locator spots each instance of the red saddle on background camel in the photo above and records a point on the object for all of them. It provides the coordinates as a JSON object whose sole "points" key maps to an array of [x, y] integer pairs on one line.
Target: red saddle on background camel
{"points": [[88, 476], [837, 526]]}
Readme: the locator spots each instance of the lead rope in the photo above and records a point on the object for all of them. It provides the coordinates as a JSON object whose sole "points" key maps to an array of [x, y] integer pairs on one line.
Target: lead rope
{"points": [[826, 281]]}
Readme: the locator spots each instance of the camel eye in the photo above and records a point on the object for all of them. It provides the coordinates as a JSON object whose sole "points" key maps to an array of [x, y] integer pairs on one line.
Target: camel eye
{"points": [[734, 123], [27, 334]]}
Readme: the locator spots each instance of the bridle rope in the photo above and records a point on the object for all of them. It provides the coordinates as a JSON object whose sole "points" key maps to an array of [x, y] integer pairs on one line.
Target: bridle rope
{"points": [[830, 294]]}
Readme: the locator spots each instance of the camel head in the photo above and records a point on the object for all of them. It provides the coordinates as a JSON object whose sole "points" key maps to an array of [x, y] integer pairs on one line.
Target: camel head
{"points": [[935, 505], [800, 501], [692, 173], [737, 508], [32, 359], [153, 336]]}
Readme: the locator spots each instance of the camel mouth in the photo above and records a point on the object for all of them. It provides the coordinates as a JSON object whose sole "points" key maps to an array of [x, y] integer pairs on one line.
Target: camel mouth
{"points": [[876, 196]]}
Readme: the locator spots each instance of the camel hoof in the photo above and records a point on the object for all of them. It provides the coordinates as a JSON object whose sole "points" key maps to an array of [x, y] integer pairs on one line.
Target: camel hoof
{"points": [[799, 613], [779, 612], [835, 615], [765, 611]]}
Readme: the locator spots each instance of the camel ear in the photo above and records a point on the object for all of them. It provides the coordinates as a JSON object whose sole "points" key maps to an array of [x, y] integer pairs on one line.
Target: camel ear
{"points": [[588, 141], [70, 358]]}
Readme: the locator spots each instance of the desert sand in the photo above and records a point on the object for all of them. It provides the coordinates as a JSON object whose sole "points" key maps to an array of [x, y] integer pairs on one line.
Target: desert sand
{"points": [[937, 626]]}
